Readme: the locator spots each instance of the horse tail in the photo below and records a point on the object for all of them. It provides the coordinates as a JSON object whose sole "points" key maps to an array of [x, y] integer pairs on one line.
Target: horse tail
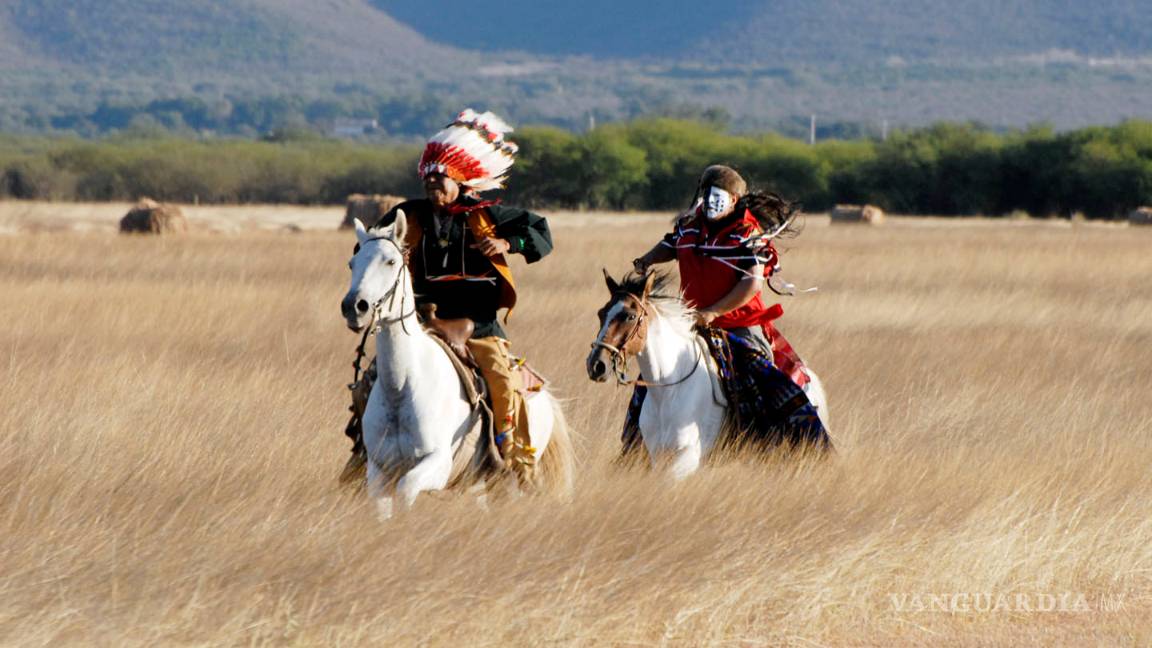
{"points": [[557, 466], [819, 399]]}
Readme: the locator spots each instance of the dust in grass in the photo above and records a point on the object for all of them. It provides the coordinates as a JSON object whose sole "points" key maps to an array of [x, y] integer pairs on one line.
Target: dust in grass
{"points": [[171, 433]]}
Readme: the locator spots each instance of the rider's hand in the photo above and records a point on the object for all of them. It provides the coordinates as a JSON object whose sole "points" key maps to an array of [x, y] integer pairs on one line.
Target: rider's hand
{"points": [[491, 246], [704, 318], [640, 265]]}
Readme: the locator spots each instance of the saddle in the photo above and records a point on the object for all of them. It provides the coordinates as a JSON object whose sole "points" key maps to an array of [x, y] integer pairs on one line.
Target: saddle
{"points": [[453, 336], [455, 333]]}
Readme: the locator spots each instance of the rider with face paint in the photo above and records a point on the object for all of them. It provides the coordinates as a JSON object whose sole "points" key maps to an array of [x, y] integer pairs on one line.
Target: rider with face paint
{"points": [[723, 246], [724, 254]]}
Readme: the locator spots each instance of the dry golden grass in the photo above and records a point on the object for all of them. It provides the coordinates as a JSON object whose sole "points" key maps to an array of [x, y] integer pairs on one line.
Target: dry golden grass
{"points": [[170, 435]]}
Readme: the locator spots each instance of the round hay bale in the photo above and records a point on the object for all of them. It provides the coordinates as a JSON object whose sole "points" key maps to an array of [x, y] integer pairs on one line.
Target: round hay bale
{"points": [[151, 217], [872, 215], [369, 209], [1140, 216], [866, 214]]}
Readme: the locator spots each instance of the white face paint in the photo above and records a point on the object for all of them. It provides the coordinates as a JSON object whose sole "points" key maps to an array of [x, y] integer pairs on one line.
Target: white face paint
{"points": [[719, 203]]}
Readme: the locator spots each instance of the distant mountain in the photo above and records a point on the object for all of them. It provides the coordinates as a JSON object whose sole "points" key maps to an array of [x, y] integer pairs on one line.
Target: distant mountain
{"points": [[859, 31], [601, 28], [846, 32], [207, 38], [252, 66]]}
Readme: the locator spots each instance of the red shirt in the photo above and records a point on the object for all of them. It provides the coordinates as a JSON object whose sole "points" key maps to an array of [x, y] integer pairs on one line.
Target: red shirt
{"points": [[714, 257]]}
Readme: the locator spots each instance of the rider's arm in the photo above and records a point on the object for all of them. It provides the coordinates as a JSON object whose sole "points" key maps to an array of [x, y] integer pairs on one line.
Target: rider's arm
{"points": [[665, 250], [742, 293], [662, 252], [527, 233]]}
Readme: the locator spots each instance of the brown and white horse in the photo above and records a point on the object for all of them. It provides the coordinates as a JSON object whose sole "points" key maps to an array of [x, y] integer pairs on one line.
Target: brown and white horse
{"points": [[684, 412]]}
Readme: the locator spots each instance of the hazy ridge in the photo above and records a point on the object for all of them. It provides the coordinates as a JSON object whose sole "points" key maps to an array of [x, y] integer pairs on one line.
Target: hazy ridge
{"points": [[766, 64]]}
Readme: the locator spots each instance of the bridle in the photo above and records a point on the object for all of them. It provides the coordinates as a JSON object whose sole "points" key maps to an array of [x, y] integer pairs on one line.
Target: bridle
{"points": [[378, 322], [390, 296], [633, 344]]}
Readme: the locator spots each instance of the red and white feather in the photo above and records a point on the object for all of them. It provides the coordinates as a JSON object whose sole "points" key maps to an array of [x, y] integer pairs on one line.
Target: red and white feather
{"points": [[471, 150]]}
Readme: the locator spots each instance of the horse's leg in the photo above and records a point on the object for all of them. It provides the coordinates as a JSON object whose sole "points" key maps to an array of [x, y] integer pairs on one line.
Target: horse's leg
{"points": [[431, 472], [677, 455], [674, 446], [685, 461], [377, 490], [379, 447]]}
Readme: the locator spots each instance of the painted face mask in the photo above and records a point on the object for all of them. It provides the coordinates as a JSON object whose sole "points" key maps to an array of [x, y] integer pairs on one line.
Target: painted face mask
{"points": [[719, 202]]}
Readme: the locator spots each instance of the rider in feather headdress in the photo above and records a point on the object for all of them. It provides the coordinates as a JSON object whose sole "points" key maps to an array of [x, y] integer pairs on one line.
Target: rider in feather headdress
{"points": [[458, 245]]}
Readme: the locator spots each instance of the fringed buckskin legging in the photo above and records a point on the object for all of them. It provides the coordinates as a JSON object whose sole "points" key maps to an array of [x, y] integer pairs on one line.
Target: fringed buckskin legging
{"points": [[504, 385]]}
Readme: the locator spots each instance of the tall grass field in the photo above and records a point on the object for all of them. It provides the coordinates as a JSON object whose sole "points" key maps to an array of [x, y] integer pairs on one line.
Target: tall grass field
{"points": [[171, 417]]}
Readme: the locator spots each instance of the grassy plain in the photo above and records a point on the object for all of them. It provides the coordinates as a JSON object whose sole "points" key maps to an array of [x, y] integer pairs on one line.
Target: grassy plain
{"points": [[170, 433]]}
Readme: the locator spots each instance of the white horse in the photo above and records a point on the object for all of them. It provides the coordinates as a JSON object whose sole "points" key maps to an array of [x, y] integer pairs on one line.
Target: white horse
{"points": [[417, 415], [684, 411]]}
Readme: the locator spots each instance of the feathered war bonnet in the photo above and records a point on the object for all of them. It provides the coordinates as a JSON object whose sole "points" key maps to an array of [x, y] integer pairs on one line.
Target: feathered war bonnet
{"points": [[472, 151]]}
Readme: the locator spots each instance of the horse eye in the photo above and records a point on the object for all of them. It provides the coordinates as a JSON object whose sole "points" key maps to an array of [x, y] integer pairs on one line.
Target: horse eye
{"points": [[631, 318], [391, 261]]}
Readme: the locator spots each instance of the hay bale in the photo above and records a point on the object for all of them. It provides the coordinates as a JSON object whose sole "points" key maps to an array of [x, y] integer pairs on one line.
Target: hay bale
{"points": [[369, 209], [867, 214], [150, 217], [1140, 216]]}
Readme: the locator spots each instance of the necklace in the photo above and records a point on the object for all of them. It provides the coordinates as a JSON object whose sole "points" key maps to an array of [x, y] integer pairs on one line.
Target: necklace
{"points": [[443, 230]]}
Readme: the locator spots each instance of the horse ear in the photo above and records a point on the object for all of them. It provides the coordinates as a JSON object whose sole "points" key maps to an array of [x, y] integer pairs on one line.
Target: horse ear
{"points": [[361, 233], [613, 287], [399, 227], [649, 281]]}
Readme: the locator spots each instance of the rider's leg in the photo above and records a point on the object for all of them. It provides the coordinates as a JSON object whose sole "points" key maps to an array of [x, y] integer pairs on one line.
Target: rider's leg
{"points": [[755, 336], [508, 410]]}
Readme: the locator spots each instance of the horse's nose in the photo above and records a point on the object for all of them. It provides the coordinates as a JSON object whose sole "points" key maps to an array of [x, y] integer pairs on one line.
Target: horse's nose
{"points": [[597, 369], [346, 306]]}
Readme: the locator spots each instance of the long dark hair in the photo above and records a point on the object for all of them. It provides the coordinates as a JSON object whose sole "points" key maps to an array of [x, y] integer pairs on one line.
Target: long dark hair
{"points": [[772, 211]]}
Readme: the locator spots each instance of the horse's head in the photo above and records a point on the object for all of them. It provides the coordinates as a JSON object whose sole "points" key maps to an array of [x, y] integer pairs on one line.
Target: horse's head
{"points": [[377, 266], [623, 325]]}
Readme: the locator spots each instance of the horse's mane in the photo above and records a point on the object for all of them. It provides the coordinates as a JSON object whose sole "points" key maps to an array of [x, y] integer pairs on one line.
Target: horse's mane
{"points": [[663, 295]]}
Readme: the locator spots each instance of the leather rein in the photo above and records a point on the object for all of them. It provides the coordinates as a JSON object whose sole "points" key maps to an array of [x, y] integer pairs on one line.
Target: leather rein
{"points": [[377, 321], [621, 354], [390, 296]]}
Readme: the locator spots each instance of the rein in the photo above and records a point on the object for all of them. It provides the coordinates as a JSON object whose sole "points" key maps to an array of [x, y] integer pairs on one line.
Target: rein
{"points": [[390, 297], [620, 354], [377, 321]]}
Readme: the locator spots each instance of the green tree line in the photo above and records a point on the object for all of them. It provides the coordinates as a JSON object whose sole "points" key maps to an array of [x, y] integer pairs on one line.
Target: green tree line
{"points": [[946, 169]]}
